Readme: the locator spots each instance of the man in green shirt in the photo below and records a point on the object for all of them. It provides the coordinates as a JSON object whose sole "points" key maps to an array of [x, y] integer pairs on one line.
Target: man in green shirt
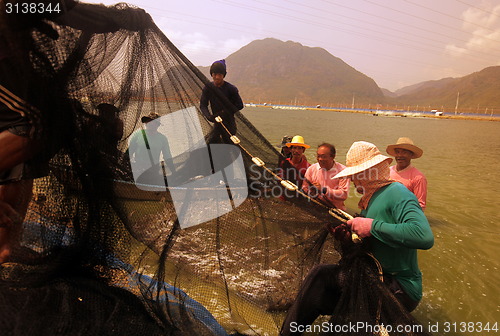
{"points": [[145, 147], [391, 216], [395, 227]]}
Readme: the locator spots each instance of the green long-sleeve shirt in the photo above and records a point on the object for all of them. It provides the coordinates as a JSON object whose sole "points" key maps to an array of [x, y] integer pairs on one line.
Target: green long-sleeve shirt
{"points": [[399, 228]]}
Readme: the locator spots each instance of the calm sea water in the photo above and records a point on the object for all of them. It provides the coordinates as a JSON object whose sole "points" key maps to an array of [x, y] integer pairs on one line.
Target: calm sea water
{"points": [[462, 164]]}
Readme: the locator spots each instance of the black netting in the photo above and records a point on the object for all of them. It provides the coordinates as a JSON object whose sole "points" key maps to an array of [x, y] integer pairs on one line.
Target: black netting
{"points": [[101, 252]]}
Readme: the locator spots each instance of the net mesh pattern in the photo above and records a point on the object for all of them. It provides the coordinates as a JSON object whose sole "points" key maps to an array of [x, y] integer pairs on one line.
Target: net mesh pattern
{"points": [[99, 255]]}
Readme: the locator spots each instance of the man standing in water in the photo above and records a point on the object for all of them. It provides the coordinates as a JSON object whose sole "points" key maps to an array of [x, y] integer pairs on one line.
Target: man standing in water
{"points": [[285, 151], [214, 93], [394, 227], [404, 150], [298, 160], [319, 181]]}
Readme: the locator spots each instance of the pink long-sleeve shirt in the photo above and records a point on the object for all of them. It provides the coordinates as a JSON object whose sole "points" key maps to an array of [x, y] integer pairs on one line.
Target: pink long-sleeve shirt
{"points": [[336, 189], [414, 180]]}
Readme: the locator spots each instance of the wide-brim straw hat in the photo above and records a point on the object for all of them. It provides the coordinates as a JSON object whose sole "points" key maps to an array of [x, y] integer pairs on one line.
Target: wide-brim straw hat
{"points": [[361, 156], [297, 141], [405, 143]]}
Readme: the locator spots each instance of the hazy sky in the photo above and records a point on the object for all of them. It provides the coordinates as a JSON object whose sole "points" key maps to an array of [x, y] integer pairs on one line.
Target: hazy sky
{"points": [[395, 42]]}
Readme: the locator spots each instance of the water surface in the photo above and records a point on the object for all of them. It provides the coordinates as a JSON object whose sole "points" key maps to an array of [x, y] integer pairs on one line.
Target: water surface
{"points": [[461, 162]]}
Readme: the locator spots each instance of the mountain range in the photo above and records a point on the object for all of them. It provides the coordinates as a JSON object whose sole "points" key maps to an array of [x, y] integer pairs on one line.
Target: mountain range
{"points": [[279, 72], [476, 92]]}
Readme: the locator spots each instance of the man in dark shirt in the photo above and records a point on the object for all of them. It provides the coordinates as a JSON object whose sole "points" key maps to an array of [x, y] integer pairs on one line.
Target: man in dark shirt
{"points": [[224, 100]]}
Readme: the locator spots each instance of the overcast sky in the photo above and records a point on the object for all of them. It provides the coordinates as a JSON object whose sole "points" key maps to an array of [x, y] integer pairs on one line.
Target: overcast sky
{"points": [[395, 42]]}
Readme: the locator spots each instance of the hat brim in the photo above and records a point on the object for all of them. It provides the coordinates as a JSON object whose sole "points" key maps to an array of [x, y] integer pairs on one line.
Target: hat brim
{"points": [[364, 166], [147, 119], [417, 152], [290, 144]]}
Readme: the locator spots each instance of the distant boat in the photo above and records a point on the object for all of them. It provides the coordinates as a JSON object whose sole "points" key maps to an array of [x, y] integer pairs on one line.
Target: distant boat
{"points": [[437, 113]]}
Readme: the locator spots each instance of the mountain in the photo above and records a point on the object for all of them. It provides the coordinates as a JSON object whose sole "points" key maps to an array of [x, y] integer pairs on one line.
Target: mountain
{"points": [[432, 84], [475, 92], [388, 93], [271, 70], [278, 72]]}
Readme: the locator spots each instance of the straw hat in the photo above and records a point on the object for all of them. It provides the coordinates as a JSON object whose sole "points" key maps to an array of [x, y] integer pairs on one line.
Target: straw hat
{"points": [[286, 139], [361, 156], [405, 143], [149, 117], [297, 140]]}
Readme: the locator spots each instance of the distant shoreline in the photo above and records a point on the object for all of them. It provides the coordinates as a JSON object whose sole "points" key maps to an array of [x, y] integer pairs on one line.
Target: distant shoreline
{"points": [[386, 113], [422, 115]]}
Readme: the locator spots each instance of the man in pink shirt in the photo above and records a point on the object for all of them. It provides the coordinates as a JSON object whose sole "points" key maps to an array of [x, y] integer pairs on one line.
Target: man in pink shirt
{"points": [[319, 182], [404, 150]]}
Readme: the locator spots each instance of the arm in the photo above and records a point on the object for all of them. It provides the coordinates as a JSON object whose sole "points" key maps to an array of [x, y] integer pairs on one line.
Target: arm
{"points": [[8, 223], [167, 156], [204, 100], [8, 217], [339, 193], [132, 146], [411, 230], [235, 98], [420, 190], [305, 184], [14, 149], [14, 200]]}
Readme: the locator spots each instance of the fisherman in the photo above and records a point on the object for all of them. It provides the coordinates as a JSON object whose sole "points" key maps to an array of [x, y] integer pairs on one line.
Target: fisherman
{"points": [[319, 179], [64, 273], [17, 144], [285, 150], [214, 93], [298, 160], [145, 147], [394, 226], [109, 115], [16, 148], [404, 151]]}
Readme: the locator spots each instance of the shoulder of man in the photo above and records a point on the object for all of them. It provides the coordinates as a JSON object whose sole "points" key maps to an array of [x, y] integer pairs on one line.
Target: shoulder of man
{"points": [[157, 136], [311, 168], [399, 193], [419, 179], [137, 133], [417, 172], [339, 166], [230, 86], [208, 88], [411, 173]]}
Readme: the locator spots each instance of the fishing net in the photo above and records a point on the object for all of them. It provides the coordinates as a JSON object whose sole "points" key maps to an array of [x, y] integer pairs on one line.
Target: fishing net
{"points": [[199, 242]]}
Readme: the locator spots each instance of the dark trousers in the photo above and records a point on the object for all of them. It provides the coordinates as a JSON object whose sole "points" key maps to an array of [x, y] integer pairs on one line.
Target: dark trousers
{"points": [[320, 293]]}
